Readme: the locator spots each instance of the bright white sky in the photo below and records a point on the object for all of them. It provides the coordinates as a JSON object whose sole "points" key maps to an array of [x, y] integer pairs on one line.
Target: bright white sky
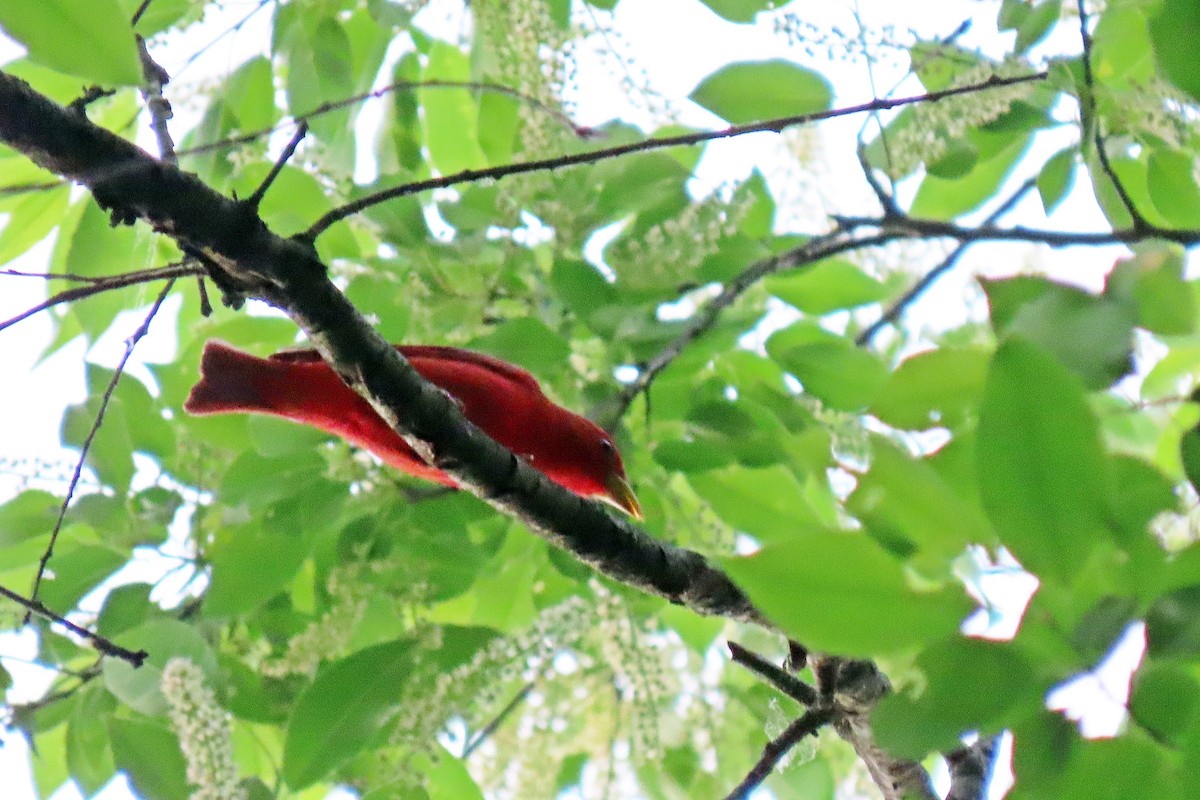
{"points": [[676, 59]]}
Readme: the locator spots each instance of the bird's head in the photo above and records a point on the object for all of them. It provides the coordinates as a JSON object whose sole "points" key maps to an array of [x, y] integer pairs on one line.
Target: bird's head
{"points": [[592, 467]]}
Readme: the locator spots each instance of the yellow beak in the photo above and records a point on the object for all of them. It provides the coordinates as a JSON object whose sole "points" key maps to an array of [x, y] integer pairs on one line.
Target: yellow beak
{"points": [[621, 495]]}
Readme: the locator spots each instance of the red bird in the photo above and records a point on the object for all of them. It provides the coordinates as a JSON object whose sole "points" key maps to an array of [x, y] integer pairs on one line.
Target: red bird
{"points": [[501, 399]]}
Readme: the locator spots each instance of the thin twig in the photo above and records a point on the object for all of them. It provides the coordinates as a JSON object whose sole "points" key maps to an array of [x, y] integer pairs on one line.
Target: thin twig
{"points": [[105, 284], [154, 79], [893, 313], [810, 252], [807, 724], [780, 678], [593, 156], [1088, 102], [334, 105], [55, 276], [487, 730], [886, 201], [130, 343], [141, 9], [923, 228], [103, 645], [297, 137], [29, 188]]}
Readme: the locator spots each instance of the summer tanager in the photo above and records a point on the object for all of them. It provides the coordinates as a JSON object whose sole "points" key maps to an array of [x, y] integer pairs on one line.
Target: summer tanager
{"points": [[501, 399]]}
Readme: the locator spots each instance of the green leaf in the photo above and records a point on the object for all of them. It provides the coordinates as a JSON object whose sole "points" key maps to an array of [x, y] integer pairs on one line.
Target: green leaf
{"points": [[903, 500], [842, 593], [749, 91], [111, 451], [343, 709], [1173, 624], [1173, 31], [829, 367], [1037, 25], [961, 677], [161, 14], [148, 752], [1091, 336], [829, 285], [1172, 190], [1166, 700], [768, 503], [31, 219], [451, 116], [446, 778], [250, 565], [942, 198], [1042, 472], [76, 572], [89, 756], [1056, 178], [939, 387], [1153, 281], [163, 639], [739, 10], [29, 514], [92, 40], [527, 342]]}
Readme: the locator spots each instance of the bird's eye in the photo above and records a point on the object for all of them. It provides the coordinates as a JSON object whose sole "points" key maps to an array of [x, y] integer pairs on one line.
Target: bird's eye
{"points": [[607, 446]]}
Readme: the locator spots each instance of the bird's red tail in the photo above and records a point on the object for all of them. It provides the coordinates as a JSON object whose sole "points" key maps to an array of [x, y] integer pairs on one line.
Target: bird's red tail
{"points": [[230, 380]]}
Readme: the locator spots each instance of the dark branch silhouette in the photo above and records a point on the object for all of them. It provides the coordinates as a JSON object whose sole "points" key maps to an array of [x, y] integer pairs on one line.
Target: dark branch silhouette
{"points": [[102, 645], [914, 293], [689, 139], [130, 343], [99, 285]]}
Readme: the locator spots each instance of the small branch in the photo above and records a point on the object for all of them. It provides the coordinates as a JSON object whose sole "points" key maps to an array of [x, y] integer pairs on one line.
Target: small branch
{"points": [[29, 188], [101, 644], [130, 343], [487, 730], [253, 200], [781, 679], [1088, 103], [810, 252], [893, 313], [921, 228], [334, 105], [971, 769], [808, 724], [90, 95], [593, 156], [886, 201], [101, 285], [141, 9], [155, 78]]}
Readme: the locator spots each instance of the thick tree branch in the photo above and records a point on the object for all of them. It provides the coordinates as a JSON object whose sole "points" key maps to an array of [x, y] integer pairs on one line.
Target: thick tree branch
{"points": [[288, 275]]}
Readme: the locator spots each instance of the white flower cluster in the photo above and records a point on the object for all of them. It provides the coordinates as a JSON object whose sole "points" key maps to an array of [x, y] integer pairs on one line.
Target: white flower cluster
{"points": [[203, 728], [326, 637], [933, 125], [669, 251], [887, 44]]}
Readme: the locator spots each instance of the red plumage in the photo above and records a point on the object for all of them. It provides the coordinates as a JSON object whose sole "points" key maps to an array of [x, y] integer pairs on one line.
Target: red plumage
{"points": [[503, 400]]}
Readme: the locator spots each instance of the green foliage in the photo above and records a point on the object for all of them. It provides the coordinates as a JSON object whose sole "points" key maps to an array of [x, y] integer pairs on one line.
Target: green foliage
{"points": [[53, 29], [350, 625]]}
